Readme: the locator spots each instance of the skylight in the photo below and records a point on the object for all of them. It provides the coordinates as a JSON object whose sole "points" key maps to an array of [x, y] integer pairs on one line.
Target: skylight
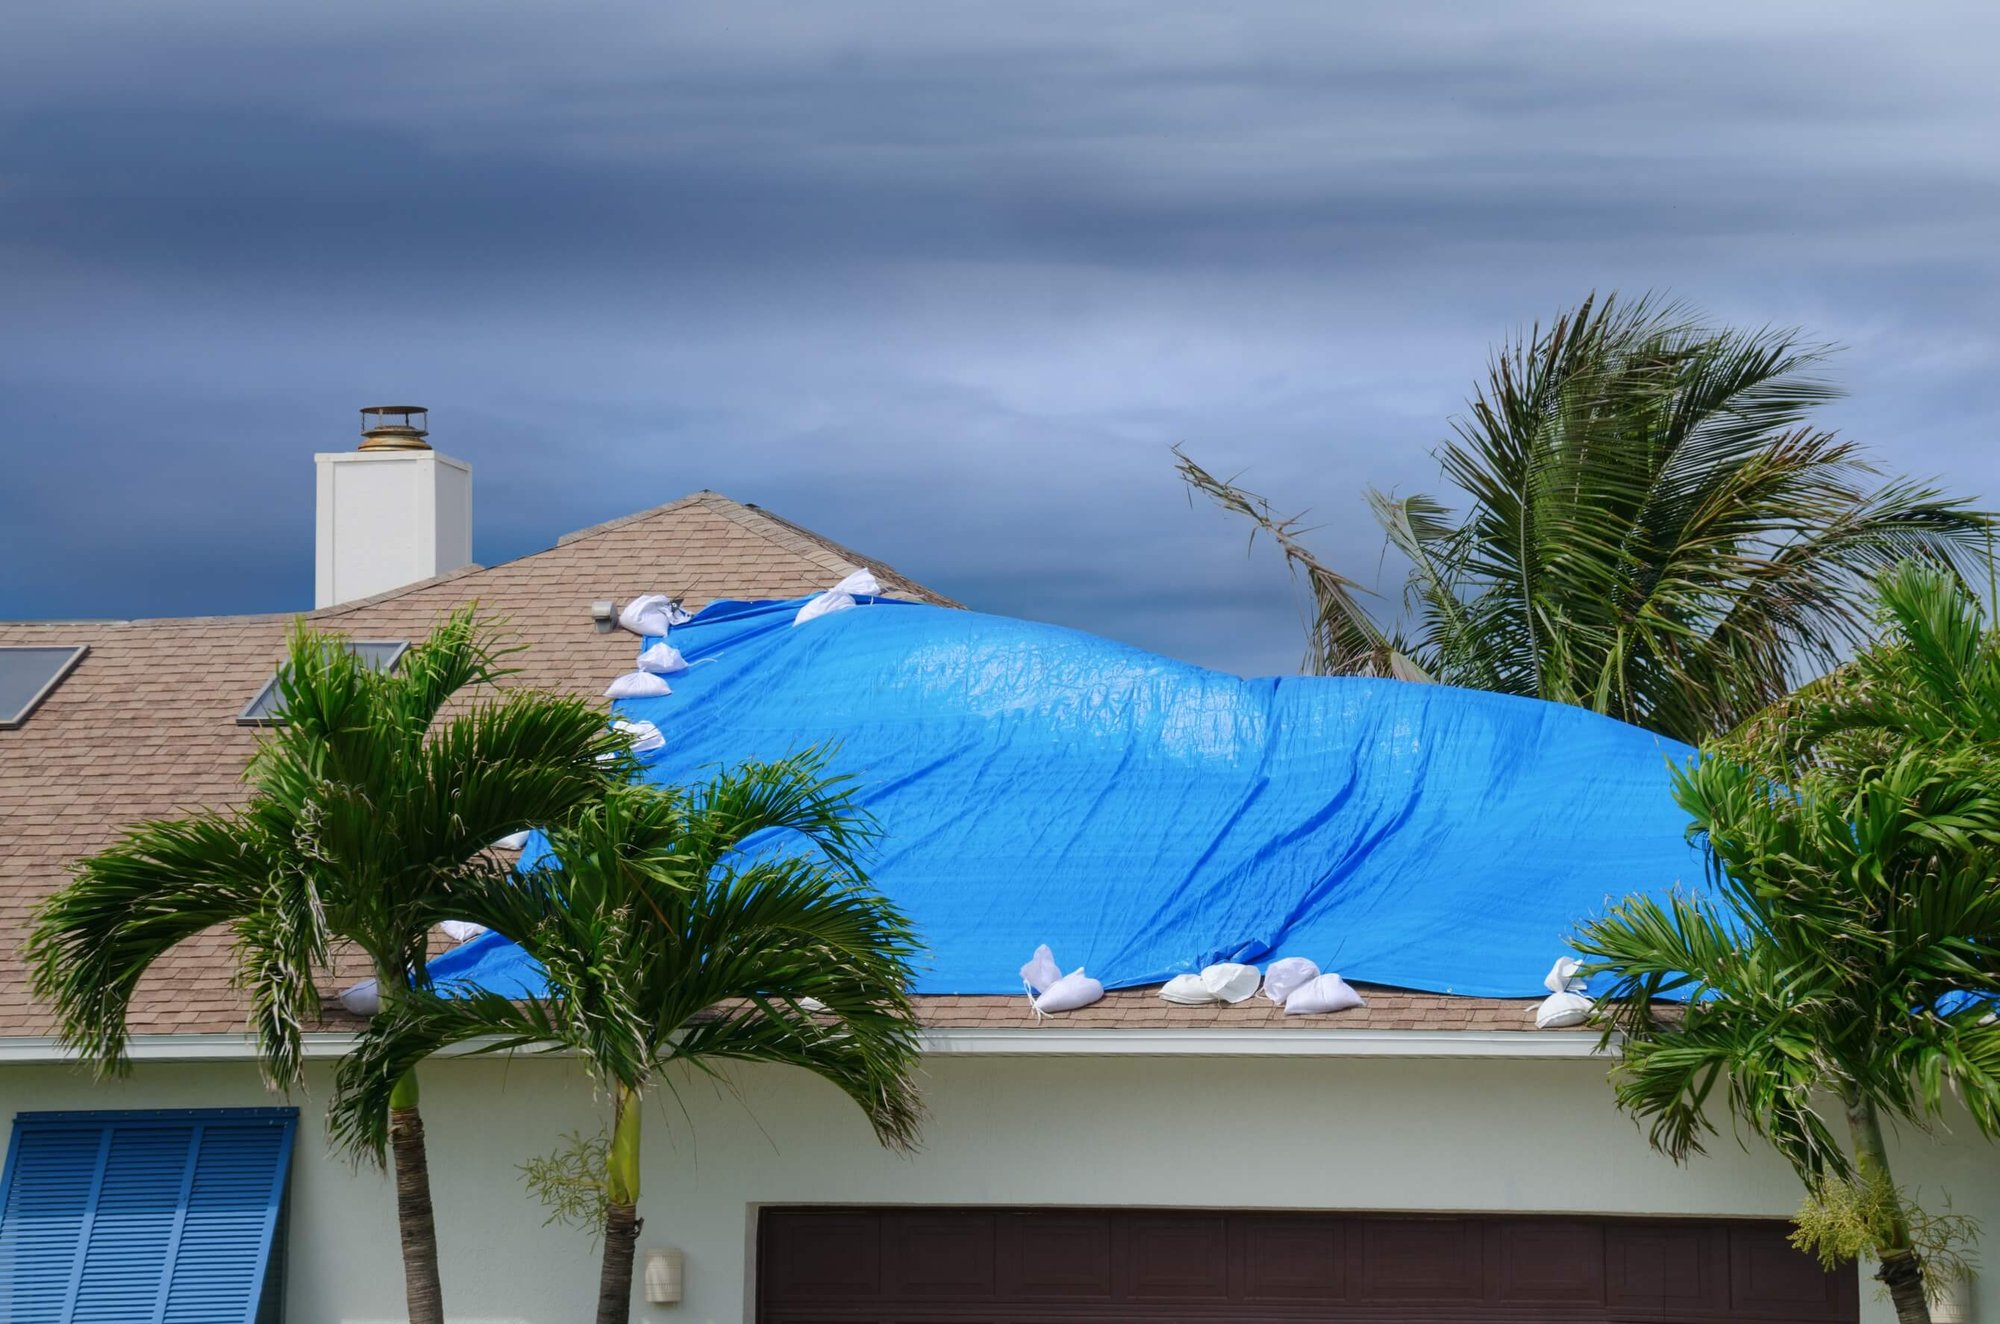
{"points": [[268, 707], [29, 674]]}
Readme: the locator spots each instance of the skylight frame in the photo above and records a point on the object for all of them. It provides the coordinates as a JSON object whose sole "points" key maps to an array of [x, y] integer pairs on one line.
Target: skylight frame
{"points": [[260, 712], [18, 718]]}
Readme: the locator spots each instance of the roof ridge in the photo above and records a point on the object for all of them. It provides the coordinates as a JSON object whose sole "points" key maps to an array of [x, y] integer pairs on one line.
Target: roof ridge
{"points": [[783, 533], [769, 523], [592, 530]]}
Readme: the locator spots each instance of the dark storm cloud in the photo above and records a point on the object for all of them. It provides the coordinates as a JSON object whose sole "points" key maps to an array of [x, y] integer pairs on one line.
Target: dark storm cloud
{"points": [[943, 281]]}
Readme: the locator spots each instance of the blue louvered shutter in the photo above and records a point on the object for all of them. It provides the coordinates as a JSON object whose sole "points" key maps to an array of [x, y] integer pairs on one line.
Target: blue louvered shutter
{"points": [[141, 1218]]}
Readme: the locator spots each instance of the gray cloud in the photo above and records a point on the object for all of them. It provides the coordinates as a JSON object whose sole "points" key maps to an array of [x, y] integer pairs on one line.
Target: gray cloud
{"points": [[942, 281]]}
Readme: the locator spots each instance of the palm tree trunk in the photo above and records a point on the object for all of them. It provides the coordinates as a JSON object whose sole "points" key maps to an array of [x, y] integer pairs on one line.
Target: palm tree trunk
{"points": [[416, 1225], [414, 1220], [621, 1214], [1902, 1271]]}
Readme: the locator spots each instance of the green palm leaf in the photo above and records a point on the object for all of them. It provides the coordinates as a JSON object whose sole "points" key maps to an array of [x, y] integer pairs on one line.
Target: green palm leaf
{"points": [[1651, 527]]}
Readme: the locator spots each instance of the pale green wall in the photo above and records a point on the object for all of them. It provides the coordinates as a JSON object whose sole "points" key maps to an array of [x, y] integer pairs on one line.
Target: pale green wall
{"points": [[1361, 1134]]}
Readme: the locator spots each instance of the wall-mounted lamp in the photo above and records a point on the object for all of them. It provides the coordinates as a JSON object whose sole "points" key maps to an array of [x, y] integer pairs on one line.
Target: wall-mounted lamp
{"points": [[604, 616], [663, 1276]]}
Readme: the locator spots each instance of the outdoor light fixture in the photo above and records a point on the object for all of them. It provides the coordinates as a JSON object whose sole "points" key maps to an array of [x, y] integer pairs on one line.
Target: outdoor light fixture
{"points": [[604, 615], [663, 1276]]}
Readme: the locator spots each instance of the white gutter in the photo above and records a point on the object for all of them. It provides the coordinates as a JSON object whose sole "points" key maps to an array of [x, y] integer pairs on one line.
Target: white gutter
{"points": [[1048, 1040], [25, 1050]]}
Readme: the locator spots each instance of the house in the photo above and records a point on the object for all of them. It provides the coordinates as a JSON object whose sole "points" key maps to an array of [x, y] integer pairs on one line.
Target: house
{"points": [[1427, 1157]]}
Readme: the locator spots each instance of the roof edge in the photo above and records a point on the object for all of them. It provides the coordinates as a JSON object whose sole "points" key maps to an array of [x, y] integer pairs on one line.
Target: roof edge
{"points": [[1025, 1041]]}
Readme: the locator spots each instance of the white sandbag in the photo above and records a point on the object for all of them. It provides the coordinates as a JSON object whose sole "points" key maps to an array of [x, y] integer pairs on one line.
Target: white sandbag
{"points": [[458, 930], [662, 659], [364, 999], [637, 685], [1562, 977], [1321, 995], [1282, 976], [840, 597], [1073, 990], [512, 841], [652, 613], [1187, 991], [1230, 982], [1041, 972], [644, 736], [1559, 1011]]}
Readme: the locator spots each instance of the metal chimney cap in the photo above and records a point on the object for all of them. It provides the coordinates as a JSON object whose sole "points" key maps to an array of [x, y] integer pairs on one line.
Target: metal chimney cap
{"points": [[394, 428]]}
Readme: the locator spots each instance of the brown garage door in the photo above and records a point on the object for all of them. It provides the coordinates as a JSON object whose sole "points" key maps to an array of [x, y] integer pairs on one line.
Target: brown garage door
{"points": [[1072, 1266]]}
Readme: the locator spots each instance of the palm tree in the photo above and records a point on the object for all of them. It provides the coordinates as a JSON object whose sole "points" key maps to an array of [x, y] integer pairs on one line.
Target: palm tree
{"points": [[1851, 952], [724, 923], [1652, 528], [366, 801]]}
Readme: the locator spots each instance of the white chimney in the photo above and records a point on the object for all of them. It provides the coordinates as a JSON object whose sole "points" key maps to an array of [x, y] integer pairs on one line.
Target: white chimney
{"points": [[391, 513]]}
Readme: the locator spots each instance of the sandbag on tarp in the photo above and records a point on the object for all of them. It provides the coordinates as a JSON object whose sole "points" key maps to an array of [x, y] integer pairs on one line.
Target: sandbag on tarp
{"points": [[1148, 818]]}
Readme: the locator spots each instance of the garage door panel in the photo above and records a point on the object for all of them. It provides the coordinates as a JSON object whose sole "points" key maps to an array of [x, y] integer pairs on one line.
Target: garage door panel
{"points": [[1172, 1257], [1546, 1261], [829, 1256], [1055, 1255], [952, 1253], [1094, 1266], [1667, 1270], [1434, 1261], [1290, 1257]]}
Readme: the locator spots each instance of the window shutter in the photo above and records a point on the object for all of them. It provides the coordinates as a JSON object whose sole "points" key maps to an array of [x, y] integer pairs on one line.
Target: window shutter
{"points": [[141, 1217]]}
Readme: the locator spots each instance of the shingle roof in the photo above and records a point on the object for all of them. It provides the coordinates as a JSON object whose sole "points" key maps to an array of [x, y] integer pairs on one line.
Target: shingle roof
{"points": [[145, 727], [146, 724]]}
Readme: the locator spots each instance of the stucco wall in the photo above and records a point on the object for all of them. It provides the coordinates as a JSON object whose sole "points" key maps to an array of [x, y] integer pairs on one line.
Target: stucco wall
{"points": [[1307, 1133]]}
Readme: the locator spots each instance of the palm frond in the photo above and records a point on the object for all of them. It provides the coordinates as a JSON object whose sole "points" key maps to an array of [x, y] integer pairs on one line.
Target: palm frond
{"points": [[1343, 639], [159, 885], [796, 795]]}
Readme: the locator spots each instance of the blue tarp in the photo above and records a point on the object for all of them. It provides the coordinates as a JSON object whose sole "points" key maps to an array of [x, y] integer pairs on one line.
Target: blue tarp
{"points": [[1146, 817]]}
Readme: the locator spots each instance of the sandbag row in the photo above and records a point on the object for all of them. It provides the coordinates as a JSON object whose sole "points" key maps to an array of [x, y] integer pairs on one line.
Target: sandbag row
{"points": [[1294, 983]]}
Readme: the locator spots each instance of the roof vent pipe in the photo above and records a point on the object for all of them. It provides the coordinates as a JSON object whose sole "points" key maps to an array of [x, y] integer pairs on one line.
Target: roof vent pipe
{"points": [[394, 428]]}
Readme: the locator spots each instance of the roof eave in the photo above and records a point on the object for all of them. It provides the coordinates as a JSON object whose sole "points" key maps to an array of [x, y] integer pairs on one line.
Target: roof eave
{"points": [[1047, 1040]]}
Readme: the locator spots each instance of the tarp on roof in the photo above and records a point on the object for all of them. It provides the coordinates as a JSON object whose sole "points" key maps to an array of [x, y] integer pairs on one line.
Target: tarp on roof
{"points": [[1146, 817]]}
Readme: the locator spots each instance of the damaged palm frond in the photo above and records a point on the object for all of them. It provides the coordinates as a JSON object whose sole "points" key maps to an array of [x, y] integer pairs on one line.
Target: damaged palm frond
{"points": [[1342, 638]]}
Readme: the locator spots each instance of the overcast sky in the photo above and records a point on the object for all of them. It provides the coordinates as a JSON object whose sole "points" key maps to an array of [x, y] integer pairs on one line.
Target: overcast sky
{"points": [[942, 281]]}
